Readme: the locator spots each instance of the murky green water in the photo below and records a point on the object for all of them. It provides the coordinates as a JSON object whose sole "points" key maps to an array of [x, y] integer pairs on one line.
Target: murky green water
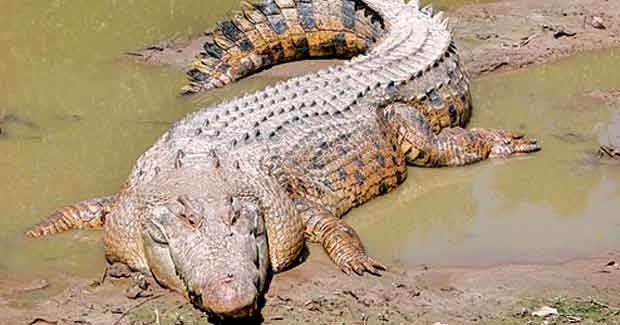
{"points": [[550, 206], [84, 116]]}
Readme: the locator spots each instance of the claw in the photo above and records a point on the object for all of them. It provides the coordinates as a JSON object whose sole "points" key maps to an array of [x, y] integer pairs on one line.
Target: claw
{"points": [[370, 268], [359, 270], [512, 143], [362, 264], [377, 264]]}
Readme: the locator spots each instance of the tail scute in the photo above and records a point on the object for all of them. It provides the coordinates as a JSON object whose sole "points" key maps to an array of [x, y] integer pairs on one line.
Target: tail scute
{"points": [[89, 214], [268, 32]]}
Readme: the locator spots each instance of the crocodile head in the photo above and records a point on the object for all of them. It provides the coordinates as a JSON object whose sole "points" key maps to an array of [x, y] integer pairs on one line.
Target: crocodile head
{"points": [[211, 247]]}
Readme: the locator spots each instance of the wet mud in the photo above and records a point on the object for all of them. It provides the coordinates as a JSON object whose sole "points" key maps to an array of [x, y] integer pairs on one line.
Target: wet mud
{"points": [[515, 34], [493, 37], [317, 293]]}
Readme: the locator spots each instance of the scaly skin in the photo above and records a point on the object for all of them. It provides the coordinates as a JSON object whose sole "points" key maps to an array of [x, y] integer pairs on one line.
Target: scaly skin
{"points": [[88, 214], [272, 32], [229, 193]]}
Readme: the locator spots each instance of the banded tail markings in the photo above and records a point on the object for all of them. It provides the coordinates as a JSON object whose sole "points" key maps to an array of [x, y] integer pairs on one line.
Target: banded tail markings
{"points": [[88, 214], [271, 32]]}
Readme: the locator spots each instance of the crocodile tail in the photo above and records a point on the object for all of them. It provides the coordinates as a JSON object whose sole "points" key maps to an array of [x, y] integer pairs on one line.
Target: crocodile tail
{"points": [[270, 32], [89, 214]]}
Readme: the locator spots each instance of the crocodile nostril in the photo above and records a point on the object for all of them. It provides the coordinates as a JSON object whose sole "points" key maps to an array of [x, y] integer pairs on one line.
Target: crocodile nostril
{"points": [[229, 278]]}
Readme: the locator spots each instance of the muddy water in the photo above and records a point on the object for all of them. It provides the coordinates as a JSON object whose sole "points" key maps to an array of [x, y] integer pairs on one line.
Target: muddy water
{"points": [[83, 116], [550, 206]]}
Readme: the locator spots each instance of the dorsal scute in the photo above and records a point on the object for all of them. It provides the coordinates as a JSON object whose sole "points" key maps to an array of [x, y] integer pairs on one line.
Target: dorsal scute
{"points": [[427, 10]]}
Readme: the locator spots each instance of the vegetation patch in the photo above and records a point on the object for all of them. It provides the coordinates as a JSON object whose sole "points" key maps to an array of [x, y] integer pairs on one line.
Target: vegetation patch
{"points": [[570, 310]]}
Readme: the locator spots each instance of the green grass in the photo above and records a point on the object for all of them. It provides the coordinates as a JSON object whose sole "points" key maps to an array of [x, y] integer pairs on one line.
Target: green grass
{"points": [[575, 310]]}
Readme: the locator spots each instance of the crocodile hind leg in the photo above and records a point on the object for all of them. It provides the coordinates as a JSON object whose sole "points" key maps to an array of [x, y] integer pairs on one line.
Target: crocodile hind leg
{"points": [[340, 242], [88, 214], [452, 146]]}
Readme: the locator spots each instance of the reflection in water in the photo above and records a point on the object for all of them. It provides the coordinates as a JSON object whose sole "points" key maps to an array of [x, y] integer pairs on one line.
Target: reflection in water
{"points": [[95, 115]]}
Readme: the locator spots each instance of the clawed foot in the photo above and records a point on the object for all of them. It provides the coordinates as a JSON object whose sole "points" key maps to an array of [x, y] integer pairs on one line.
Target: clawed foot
{"points": [[360, 264], [506, 143], [140, 287]]}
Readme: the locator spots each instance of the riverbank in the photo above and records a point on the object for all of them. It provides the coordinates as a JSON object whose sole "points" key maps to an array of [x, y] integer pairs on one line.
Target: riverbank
{"points": [[316, 292]]}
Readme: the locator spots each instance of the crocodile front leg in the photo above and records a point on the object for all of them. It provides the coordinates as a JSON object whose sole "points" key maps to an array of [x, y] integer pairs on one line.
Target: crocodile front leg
{"points": [[88, 214], [340, 242], [452, 146]]}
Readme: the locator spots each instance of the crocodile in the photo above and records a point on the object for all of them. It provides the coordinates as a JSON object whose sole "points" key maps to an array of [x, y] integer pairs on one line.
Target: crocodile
{"points": [[229, 194]]}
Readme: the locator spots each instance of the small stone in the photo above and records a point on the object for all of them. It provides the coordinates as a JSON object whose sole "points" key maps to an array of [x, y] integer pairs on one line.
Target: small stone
{"points": [[521, 312], [562, 32], [597, 22], [118, 270], [545, 311]]}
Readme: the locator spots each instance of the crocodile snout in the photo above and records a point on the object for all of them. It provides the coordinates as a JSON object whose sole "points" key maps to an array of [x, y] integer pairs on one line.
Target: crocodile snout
{"points": [[229, 296]]}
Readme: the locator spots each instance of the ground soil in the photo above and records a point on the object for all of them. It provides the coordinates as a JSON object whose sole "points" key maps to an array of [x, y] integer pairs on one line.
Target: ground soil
{"points": [[315, 292], [499, 36]]}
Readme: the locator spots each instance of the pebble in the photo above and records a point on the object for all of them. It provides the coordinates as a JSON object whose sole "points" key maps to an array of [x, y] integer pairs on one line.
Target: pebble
{"points": [[597, 22], [545, 311]]}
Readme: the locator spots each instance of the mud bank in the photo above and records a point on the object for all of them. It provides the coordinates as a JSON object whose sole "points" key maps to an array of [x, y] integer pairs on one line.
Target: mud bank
{"points": [[493, 36], [316, 292]]}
